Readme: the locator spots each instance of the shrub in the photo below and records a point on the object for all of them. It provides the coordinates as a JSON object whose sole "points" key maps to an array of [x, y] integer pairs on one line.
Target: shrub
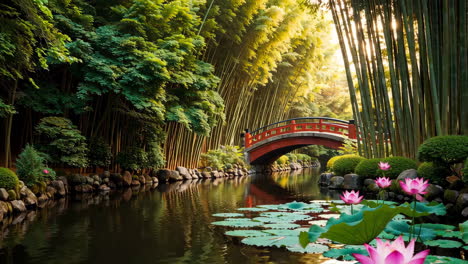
{"points": [[435, 174], [332, 160], [292, 157], [282, 160], [303, 157], [368, 168], [47, 174], [224, 155], [8, 179], [62, 142], [345, 165], [30, 166], [132, 159], [99, 153], [398, 165], [444, 150]]}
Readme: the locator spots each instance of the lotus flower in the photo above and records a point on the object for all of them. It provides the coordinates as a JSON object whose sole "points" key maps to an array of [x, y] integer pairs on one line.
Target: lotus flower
{"points": [[394, 253], [45, 171], [351, 197], [383, 182], [415, 187], [384, 166]]}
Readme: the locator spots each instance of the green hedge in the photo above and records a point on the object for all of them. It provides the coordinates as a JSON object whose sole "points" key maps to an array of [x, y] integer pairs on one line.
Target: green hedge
{"points": [[8, 179], [435, 174], [368, 168], [444, 150], [332, 160], [398, 165], [282, 160], [346, 164]]}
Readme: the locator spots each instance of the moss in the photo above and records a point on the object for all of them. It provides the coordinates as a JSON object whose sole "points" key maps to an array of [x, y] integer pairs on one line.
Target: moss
{"points": [[346, 164], [8, 179], [436, 174], [398, 165], [369, 168], [12, 195]]}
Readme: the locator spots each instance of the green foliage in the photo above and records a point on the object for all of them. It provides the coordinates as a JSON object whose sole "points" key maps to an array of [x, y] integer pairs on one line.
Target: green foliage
{"points": [[62, 142], [465, 171], [435, 174], [99, 153], [133, 159], [398, 165], [349, 147], [224, 155], [332, 160], [8, 179], [444, 150], [291, 157], [369, 168], [30, 166], [345, 165], [283, 160]]}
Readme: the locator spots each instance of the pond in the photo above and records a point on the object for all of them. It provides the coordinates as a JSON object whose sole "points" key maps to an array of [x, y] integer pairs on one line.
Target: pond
{"points": [[169, 224]]}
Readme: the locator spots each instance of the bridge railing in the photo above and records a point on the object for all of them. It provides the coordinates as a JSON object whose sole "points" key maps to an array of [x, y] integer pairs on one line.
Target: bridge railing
{"points": [[305, 124]]}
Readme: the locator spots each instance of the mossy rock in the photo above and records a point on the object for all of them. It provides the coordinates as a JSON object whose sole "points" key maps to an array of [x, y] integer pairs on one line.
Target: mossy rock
{"points": [[36, 188], [12, 195]]}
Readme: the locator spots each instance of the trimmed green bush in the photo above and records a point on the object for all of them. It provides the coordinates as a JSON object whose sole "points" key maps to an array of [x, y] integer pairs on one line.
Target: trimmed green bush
{"points": [[435, 174], [332, 160], [346, 164], [282, 160], [292, 157], [398, 165], [444, 150], [29, 166], [8, 179], [369, 168]]}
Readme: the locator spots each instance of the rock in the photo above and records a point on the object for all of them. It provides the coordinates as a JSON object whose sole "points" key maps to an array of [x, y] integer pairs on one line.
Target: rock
{"points": [[4, 207], [135, 183], [96, 184], [51, 191], [352, 182], [105, 174], [457, 185], [324, 179], [373, 187], [433, 191], [89, 180], [411, 173], [206, 175], [208, 169], [163, 175], [18, 206], [60, 187], [21, 184], [336, 182], [155, 180], [175, 176], [240, 172], [142, 179], [215, 174], [464, 212], [148, 179], [368, 182], [3, 194], [64, 180], [450, 196], [400, 197], [42, 198], [30, 198], [106, 180], [184, 173], [96, 178], [77, 179], [112, 185], [462, 201], [12, 195], [104, 188], [127, 179], [23, 191]]}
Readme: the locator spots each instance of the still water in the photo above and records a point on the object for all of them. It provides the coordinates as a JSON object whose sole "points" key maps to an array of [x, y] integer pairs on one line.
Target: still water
{"points": [[169, 224]]}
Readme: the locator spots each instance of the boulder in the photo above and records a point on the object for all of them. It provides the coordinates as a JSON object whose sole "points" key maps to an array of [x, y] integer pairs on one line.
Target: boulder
{"points": [[106, 180], [135, 183], [104, 188], [457, 185], [142, 179], [96, 178], [127, 179], [155, 180], [60, 187], [462, 201], [411, 173], [373, 187], [352, 182], [23, 191], [324, 179], [77, 179], [4, 208], [30, 198], [450, 196], [163, 175], [105, 174], [18, 206], [148, 179], [368, 182], [50, 191], [336, 182], [240, 172], [89, 180], [206, 175], [42, 198], [3, 194], [184, 173], [175, 176], [464, 212], [433, 191]]}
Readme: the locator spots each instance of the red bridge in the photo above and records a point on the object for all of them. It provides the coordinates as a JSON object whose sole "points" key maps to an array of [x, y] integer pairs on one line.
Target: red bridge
{"points": [[264, 145]]}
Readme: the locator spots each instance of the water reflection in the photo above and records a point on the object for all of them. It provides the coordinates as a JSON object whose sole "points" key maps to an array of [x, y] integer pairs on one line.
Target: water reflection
{"points": [[169, 224]]}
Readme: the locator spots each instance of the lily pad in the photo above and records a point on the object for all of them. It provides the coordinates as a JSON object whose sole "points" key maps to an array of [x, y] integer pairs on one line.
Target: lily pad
{"points": [[464, 231], [284, 218], [269, 206], [232, 223], [253, 209], [311, 248], [297, 206], [431, 259], [283, 232], [403, 228], [422, 209], [228, 215], [345, 253], [282, 226], [443, 243], [438, 226], [271, 241], [246, 233], [446, 233]]}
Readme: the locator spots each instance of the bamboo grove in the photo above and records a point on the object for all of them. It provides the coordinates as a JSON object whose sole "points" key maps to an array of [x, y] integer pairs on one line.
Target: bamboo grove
{"points": [[159, 80], [406, 65]]}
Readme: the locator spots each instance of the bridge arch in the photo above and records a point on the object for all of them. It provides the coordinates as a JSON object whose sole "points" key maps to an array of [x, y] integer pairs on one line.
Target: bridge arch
{"points": [[264, 145]]}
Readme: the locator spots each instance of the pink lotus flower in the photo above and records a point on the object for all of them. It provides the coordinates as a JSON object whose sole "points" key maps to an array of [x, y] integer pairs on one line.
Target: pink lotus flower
{"points": [[394, 253], [351, 197], [415, 187], [384, 166], [383, 182], [46, 171]]}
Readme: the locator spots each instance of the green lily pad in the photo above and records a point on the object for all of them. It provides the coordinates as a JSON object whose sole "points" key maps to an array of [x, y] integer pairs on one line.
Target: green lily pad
{"points": [[431, 259], [284, 218], [464, 231], [423, 209], [232, 223], [443, 243], [271, 241], [281, 214], [246, 233], [345, 253], [253, 209], [438, 226], [283, 232], [386, 235], [297, 206], [446, 233], [228, 215], [311, 248], [282, 226], [238, 219], [403, 228]]}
